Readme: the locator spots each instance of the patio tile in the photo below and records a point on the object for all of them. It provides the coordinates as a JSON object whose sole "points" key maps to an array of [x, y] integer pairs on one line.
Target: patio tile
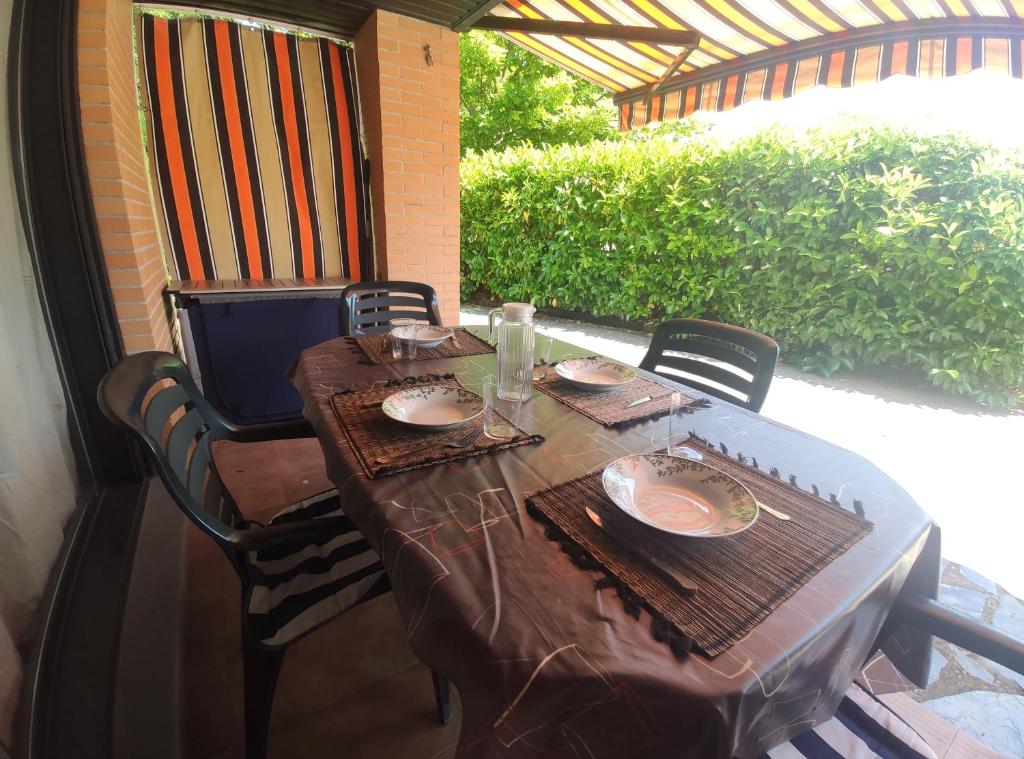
{"points": [[232, 753], [937, 664], [307, 682], [211, 724], [973, 668], [995, 718], [363, 646], [1009, 616], [1008, 673], [969, 602], [206, 641], [937, 732], [392, 718], [966, 746], [977, 579], [205, 581]]}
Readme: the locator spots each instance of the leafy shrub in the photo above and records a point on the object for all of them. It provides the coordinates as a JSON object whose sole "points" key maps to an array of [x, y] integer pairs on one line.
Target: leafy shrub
{"points": [[861, 246], [509, 96]]}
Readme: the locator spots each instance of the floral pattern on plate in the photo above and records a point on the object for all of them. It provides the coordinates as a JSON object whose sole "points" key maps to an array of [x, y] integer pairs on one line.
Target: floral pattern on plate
{"points": [[595, 374], [679, 496], [433, 407], [425, 336]]}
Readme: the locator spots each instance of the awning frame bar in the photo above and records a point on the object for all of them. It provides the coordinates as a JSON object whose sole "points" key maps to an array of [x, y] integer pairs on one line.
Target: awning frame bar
{"points": [[481, 10], [685, 38], [672, 68]]}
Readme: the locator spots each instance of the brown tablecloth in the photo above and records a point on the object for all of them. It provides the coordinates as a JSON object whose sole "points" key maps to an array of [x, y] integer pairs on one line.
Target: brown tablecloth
{"points": [[545, 664], [740, 578]]}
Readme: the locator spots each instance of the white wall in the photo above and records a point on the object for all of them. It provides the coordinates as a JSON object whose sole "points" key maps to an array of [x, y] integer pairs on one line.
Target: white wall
{"points": [[37, 485]]}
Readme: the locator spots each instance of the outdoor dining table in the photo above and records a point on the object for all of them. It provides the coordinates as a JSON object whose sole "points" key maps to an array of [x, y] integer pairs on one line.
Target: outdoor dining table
{"points": [[545, 663]]}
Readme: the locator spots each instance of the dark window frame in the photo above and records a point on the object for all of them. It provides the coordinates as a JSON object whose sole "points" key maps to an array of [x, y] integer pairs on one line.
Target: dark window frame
{"points": [[68, 700]]}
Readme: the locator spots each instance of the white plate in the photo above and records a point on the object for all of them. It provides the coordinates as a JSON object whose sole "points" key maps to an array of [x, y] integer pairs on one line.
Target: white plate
{"points": [[425, 336], [433, 407], [679, 496], [595, 374]]}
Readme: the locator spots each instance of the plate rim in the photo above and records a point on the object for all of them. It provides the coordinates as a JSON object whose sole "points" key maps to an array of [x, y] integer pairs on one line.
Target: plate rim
{"points": [[631, 371], [676, 533], [448, 334], [429, 387]]}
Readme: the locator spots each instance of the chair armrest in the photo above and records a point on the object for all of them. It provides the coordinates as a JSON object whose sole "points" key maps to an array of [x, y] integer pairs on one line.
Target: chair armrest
{"points": [[255, 433], [255, 538], [943, 622]]}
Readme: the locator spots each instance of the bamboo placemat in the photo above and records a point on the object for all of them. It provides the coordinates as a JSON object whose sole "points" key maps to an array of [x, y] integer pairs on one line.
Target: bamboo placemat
{"points": [[740, 578], [384, 446], [376, 349], [609, 407]]}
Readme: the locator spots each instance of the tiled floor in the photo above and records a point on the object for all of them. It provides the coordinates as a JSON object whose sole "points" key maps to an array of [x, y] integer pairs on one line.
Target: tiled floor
{"points": [[352, 688]]}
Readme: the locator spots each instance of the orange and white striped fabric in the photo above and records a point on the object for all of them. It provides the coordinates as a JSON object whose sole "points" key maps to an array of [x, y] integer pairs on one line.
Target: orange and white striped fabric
{"points": [[842, 67], [770, 49], [256, 151]]}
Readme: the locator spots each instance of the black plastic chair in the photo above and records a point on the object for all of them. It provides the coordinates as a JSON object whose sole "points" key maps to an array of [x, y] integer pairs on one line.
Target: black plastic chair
{"points": [[728, 362], [878, 729], [934, 618], [367, 308], [308, 565]]}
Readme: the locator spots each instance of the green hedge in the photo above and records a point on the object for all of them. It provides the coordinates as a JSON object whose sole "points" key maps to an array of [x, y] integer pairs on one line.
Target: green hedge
{"points": [[862, 246]]}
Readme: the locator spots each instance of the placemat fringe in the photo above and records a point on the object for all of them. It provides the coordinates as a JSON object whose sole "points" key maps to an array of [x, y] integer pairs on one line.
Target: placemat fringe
{"points": [[609, 408], [384, 447], [662, 630], [741, 578], [398, 382], [376, 348], [858, 506]]}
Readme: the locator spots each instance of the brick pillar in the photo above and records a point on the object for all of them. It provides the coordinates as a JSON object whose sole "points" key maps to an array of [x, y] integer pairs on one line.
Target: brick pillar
{"points": [[118, 175], [410, 112]]}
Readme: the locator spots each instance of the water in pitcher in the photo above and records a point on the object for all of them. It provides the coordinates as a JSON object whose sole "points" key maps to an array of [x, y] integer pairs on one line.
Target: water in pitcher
{"points": [[515, 349]]}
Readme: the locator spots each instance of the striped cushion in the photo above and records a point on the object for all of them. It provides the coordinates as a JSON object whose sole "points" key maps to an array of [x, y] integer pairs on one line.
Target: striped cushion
{"points": [[863, 728], [298, 588]]}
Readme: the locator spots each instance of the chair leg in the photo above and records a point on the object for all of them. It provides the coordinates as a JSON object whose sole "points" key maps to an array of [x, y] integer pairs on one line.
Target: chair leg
{"points": [[443, 697], [261, 668]]}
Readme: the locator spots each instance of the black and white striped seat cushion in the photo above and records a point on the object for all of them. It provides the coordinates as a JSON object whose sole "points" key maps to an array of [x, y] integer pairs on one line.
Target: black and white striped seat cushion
{"points": [[298, 588], [863, 728]]}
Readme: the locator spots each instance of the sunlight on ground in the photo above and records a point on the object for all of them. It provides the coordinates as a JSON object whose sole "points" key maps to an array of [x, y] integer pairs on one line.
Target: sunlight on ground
{"points": [[962, 465]]}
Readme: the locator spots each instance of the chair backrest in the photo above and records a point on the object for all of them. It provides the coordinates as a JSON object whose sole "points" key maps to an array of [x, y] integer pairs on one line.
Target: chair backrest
{"points": [[153, 395], [723, 360], [367, 308]]}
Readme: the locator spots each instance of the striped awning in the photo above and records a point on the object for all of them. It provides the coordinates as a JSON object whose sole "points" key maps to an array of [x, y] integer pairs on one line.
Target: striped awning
{"points": [[771, 49]]}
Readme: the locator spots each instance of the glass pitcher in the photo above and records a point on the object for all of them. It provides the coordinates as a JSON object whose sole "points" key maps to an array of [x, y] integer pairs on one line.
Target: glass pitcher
{"points": [[515, 349]]}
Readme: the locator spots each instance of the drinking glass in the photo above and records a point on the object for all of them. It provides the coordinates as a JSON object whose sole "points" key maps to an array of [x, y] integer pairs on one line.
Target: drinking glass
{"points": [[501, 415], [678, 428], [541, 353], [403, 349]]}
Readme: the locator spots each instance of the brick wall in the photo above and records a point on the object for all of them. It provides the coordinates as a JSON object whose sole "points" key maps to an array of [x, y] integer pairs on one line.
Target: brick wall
{"points": [[116, 165], [411, 118]]}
